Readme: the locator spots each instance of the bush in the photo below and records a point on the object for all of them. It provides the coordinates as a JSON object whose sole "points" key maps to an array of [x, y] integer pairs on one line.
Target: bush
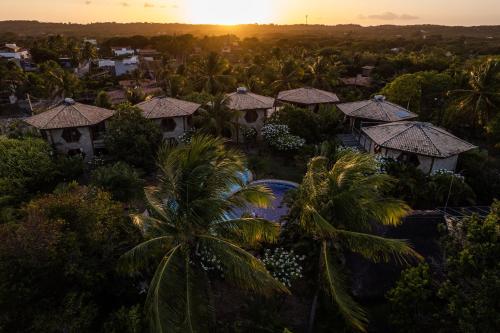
{"points": [[121, 180], [133, 139], [313, 127], [279, 137]]}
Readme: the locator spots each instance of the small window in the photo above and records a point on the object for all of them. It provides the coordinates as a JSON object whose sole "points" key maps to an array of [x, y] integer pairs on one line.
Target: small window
{"points": [[98, 131], [168, 124], [189, 121], [409, 158], [71, 135], [251, 116]]}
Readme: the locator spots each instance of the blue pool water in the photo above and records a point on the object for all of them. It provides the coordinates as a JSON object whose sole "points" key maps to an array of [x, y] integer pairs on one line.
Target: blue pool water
{"points": [[277, 209]]}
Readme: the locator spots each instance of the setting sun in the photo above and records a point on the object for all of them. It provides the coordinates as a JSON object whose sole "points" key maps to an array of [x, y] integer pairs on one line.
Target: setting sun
{"points": [[228, 11]]}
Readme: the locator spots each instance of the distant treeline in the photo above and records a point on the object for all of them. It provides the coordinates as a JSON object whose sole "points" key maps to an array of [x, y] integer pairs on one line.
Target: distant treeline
{"points": [[103, 30]]}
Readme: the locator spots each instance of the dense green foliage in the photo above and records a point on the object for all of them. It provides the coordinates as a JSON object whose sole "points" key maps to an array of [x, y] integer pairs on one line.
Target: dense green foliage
{"points": [[132, 138], [461, 296], [119, 179], [58, 263]]}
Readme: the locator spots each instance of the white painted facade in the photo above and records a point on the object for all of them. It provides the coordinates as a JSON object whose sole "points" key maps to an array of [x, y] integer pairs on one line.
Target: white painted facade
{"points": [[86, 144], [262, 114], [124, 51], [181, 126]]}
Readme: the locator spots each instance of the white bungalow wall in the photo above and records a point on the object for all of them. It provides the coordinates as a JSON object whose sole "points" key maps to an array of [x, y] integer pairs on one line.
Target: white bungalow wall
{"points": [[427, 164], [55, 138], [181, 127], [258, 124]]}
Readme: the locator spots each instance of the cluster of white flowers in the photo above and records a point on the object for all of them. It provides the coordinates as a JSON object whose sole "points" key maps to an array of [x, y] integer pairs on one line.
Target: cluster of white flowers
{"points": [[209, 261], [186, 137], [278, 136], [285, 266], [95, 162], [382, 163], [444, 172], [342, 149]]}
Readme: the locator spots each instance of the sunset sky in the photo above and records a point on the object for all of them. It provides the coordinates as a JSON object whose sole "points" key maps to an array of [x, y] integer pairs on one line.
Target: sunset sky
{"points": [[364, 12]]}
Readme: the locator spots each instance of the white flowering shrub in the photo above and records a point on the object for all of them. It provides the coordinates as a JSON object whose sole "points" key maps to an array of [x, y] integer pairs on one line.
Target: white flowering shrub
{"points": [[209, 261], [278, 137], [186, 137], [285, 266], [444, 172]]}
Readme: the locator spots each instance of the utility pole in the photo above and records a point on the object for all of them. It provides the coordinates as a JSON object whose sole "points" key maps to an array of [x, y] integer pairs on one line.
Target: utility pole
{"points": [[307, 16]]}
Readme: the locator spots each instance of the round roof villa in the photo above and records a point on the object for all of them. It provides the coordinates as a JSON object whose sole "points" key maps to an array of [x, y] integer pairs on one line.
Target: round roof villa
{"points": [[167, 107], [243, 99], [377, 109], [417, 137], [307, 96], [69, 114]]}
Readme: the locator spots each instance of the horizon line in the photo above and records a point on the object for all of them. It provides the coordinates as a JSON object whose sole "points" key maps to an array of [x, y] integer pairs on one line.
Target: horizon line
{"points": [[247, 24]]}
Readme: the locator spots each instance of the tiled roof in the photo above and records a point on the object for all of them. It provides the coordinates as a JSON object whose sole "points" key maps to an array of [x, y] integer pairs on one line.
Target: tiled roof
{"points": [[69, 114], [166, 107], [417, 137], [243, 100], [376, 109], [307, 96]]}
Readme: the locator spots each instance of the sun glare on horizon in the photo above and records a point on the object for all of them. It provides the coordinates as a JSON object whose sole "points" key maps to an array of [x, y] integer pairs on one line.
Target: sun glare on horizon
{"points": [[228, 12]]}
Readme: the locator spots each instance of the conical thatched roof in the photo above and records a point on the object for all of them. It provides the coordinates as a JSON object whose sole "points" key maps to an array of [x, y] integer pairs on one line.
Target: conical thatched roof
{"points": [[69, 114], [166, 107], [417, 137], [307, 96], [376, 109], [242, 100]]}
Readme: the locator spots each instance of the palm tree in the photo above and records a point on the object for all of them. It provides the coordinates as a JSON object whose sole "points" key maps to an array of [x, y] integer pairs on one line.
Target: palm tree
{"points": [[211, 73], [190, 215], [482, 95], [289, 74], [322, 74], [336, 206], [216, 118]]}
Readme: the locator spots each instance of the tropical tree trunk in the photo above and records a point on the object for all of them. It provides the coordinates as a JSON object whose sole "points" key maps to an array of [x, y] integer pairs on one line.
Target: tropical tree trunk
{"points": [[314, 304], [312, 314]]}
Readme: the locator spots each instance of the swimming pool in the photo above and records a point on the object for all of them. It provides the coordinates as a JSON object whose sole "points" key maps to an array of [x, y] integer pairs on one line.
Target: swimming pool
{"points": [[277, 209]]}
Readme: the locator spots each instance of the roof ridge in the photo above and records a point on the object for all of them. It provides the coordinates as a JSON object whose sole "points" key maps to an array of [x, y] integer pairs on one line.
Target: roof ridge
{"points": [[392, 137], [80, 112], [439, 151]]}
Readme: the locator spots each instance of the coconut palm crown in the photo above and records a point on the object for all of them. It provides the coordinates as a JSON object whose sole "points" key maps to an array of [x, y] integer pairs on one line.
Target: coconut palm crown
{"points": [[337, 205], [190, 214]]}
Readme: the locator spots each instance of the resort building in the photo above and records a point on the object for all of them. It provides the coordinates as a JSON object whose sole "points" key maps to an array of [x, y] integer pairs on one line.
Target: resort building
{"points": [[120, 51], [12, 51], [307, 97], [73, 128], [374, 111], [428, 147], [253, 109], [174, 116]]}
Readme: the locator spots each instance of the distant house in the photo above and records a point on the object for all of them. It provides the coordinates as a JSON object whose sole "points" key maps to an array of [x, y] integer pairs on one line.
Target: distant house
{"points": [[174, 116], [148, 54], [126, 66], [357, 81], [120, 51], [376, 110], [106, 63], [307, 97], [253, 108], [92, 41], [12, 51], [73, 128], [428, 147]]}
